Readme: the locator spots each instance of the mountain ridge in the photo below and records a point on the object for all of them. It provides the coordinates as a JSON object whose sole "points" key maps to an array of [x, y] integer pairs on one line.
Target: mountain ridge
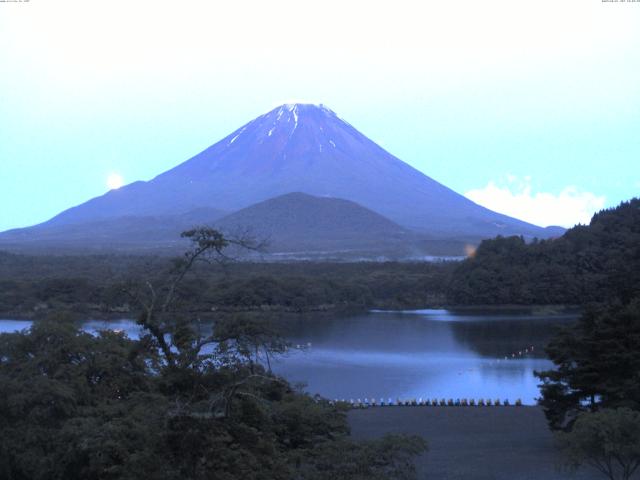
{"points": [[304, 148], [308, 149]]}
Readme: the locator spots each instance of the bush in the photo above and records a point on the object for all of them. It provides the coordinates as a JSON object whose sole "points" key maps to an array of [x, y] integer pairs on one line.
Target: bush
{"points": [[608, 440]]}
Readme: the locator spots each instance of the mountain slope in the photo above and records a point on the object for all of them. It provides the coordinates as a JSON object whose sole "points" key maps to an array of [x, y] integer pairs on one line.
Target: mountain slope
{"points": [[127, 233], [297, 222], [309, 149]]}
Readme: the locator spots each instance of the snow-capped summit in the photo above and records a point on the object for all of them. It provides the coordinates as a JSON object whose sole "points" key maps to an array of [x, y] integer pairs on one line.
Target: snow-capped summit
{"points": [[284, 121], [302, 148]]}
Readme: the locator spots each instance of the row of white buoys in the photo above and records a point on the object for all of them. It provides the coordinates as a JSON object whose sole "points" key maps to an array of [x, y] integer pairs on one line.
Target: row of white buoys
{"points": [[512, 356], [434, 402], [519, 353]]}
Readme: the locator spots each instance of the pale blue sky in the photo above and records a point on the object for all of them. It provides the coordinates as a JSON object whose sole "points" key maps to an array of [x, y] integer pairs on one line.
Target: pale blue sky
{"points": [[532, 108]]}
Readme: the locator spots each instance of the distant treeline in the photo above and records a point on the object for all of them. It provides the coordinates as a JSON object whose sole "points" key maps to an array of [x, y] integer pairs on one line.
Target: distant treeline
{"points": [[31, 286], [593, 263]]}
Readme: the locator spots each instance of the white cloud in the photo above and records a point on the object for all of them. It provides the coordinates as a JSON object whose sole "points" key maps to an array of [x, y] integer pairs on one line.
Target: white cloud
{"points": [[516, 198]]}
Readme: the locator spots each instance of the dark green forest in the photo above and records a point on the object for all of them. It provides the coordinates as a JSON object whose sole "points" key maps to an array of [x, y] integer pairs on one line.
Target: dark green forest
{"points": [[591, 398], [31, 286], [595, 267], [179, 403], [597, 364], [589, 263], [75, 406]]}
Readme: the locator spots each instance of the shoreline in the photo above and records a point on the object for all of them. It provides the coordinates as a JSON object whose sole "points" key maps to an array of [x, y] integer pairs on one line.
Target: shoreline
{"points": [[318, 310]]}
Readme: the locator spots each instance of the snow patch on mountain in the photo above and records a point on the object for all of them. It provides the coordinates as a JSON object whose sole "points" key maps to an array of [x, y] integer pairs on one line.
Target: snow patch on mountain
{"points": [[264, 159], [236, 137]]}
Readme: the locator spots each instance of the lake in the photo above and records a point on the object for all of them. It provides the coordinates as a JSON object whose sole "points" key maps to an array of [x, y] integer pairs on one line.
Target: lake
{"points": [[412, 354]]}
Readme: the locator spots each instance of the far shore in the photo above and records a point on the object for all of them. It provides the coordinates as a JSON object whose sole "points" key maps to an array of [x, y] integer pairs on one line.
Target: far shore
{"points": [[316, 311]]}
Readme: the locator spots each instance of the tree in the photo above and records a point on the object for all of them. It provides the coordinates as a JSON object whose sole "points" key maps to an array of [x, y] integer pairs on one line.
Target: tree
{"points": [[182, 402], [249, 338], [175, 337], [76, 406], [597, 364], [589, 263], [608, 440], [72, 403]]}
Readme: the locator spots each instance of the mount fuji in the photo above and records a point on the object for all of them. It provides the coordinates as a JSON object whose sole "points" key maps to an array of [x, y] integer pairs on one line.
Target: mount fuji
{"points": [[295, 148]]}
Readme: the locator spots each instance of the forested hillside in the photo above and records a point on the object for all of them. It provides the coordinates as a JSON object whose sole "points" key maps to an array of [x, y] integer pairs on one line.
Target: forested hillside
{"points": [[589, 263]]}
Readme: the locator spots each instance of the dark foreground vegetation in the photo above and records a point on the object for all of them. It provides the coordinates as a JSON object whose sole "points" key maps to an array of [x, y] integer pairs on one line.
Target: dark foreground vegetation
{"points": [[206, 402], [592, 396], [180, 403], [74, 406]]}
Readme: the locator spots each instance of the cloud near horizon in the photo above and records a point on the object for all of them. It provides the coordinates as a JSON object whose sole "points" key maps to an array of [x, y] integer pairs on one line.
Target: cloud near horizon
{"points": [[515, 197]]}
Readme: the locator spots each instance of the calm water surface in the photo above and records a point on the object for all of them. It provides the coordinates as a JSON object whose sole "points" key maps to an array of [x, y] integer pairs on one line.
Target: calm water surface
{"points": [[426, 353]]}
